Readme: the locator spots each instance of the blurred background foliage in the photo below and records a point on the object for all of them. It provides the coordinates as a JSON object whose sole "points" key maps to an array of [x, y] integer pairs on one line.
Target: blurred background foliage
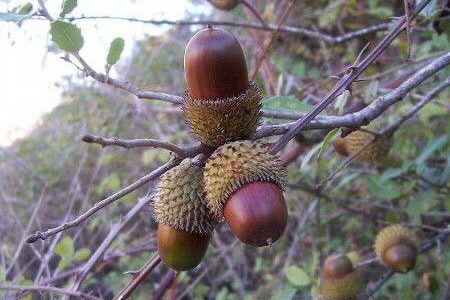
{"points": [[50, 176]]}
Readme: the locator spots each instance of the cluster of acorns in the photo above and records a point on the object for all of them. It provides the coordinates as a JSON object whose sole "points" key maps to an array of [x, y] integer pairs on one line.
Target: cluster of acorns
{"points": [[240, 182], [396, 247]]}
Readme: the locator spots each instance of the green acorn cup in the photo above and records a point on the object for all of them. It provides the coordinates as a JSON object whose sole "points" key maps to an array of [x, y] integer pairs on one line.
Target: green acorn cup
{"points": [[185, 222]]}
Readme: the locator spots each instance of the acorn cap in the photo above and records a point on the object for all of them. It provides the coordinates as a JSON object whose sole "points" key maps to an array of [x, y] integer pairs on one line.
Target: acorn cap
{"points": [[358, 139], [344, 288], [390, 247], [217, 121], [224, 4], [180, 200], [235, 164], [340, 281]]}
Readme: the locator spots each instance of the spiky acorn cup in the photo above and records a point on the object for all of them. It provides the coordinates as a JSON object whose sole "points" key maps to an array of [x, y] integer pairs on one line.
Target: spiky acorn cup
{"points": [[358, 140], [220, 104], [185, 222], [244, 184], [340, 280], [224, 4], [396, 247]]}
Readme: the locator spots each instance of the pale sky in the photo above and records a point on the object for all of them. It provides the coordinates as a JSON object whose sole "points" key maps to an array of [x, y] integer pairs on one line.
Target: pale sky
{"points": [[28, 74]]}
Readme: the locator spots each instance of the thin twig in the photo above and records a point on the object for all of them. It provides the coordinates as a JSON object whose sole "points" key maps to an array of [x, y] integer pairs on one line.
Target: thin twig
{"points": [[99, 205], [254, 12], [424, 101], [181, 152], [84, 270], [48, 289], [260, 59], [164, 284], [268, 27], [152, 263], [347, 80]]}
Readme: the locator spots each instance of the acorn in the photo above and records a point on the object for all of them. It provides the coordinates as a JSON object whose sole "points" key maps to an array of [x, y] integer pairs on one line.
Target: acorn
{"points": [[244, 185], [340, 145], [358, 139], [185, 222], [397, 247], [340, 280], [220, 104], [224, 4]]}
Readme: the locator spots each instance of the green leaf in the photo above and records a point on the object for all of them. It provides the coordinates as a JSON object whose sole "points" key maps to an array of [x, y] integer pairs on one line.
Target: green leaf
{"points": [[297, 276], [67, 7], [395, 172], [285, 103], [285, 293], [25, 9], [109, 183], [200, 291], [67, 36], [430, 148], [382, 190], [341, 100], [11, 17], [65, 247], [115, 50], [429, 9], [64, 263], [309, 155], [391, 217], [327, 140], [82, 254], [347, 179]]}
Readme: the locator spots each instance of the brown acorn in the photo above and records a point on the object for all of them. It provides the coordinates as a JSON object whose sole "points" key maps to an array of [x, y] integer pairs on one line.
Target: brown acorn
{"points": [[396, 247], [185, 222], [220, 104], [224, 4], [244, 184], [340, 280], [340, 145]]}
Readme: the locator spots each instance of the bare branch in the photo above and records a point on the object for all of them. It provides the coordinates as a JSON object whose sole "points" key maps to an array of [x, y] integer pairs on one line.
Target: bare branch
{"points": [[165, 283], [256, 26], [181, 152], [99, 205], [425, 100], [49, 289], [369, 113], [84, 270], [347, 80], [152, 263]]}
